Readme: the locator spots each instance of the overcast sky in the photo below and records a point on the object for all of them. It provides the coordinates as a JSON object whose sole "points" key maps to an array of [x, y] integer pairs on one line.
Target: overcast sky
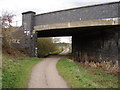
{"points": [[42, 6]]}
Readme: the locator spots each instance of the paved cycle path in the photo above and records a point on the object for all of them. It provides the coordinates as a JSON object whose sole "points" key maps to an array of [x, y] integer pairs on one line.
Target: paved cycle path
{"points": [[45, 74]]}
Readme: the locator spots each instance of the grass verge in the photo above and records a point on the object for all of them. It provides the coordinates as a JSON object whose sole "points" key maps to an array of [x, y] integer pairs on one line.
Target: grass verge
{"points": [[16, 71], [79, 76]]}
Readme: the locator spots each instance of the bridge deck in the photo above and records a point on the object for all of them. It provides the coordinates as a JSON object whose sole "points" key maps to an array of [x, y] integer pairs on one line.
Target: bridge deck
{"points": [[95, 15]]}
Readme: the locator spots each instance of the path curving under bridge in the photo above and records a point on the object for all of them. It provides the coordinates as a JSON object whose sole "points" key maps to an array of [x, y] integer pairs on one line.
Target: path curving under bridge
{"points": [[45, 74]]}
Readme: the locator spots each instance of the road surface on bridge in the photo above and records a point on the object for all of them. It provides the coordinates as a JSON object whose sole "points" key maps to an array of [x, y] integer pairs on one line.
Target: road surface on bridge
{"points": [[45, 74]]}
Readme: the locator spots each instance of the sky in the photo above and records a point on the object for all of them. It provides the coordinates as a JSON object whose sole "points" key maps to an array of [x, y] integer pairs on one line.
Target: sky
{"points": [[42, 6]]}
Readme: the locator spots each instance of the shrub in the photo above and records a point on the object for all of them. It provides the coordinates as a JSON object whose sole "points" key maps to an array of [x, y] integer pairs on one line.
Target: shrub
{"points": [[6, 42], [45, 46]]}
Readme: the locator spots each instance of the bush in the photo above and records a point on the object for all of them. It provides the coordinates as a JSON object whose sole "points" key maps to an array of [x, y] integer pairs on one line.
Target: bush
{"points": [[6, 42], [45, 46]]}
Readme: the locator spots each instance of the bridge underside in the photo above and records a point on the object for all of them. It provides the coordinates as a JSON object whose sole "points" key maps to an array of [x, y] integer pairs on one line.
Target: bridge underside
{"points": [[82, 31], [98, 43]]}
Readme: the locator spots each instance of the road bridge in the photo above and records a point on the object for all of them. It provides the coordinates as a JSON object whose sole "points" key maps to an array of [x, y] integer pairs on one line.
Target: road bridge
{"points": [[94, 30]]}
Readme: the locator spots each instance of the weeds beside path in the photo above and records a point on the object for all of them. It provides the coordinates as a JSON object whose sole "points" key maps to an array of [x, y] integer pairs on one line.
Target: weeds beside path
{"points": [[78, 76], [16, 72]]}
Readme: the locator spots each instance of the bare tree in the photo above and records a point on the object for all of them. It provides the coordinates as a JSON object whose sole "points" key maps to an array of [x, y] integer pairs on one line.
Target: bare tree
{"points": [[6, 19]]}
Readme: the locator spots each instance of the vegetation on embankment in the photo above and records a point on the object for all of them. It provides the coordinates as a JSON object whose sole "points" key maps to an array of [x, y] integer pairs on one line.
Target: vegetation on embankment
{"points": [[16, 64], [79, 76], [57, 51], [45, 46], [16, 71]]}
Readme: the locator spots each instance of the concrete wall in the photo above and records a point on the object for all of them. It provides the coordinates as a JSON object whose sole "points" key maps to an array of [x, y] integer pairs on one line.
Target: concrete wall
{"points": [[97, 47]]}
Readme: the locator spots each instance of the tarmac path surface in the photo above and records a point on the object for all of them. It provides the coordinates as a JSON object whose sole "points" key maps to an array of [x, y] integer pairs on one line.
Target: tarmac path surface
{"points": [[45, 74]]}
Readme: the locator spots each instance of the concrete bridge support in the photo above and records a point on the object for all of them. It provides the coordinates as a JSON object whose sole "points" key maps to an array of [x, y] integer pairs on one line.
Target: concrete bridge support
{"points": [[28, 27], [97, 47]]}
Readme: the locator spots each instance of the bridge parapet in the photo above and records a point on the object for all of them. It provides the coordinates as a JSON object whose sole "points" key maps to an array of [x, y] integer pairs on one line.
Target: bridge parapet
{"points": [[95, 15], [88, 23]]}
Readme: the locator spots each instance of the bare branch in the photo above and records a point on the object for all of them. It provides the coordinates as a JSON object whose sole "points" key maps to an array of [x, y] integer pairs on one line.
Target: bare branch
{"points": [[6, 19]]}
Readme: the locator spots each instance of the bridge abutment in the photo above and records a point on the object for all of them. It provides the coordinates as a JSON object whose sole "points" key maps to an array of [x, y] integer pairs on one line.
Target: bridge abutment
{"points": [[97, 47]]}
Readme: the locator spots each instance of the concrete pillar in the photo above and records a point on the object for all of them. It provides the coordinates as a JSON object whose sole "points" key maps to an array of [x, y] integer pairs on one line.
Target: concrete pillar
{"points": [[28, 26], [76, 46], [28, 20]]}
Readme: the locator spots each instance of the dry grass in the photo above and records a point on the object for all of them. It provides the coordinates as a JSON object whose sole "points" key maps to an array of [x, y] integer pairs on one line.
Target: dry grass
{"points": [[109, 67]]}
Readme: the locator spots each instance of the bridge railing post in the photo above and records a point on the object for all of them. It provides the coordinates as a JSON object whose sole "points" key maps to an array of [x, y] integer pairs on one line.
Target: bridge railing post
{"points": [[28, 26]]}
